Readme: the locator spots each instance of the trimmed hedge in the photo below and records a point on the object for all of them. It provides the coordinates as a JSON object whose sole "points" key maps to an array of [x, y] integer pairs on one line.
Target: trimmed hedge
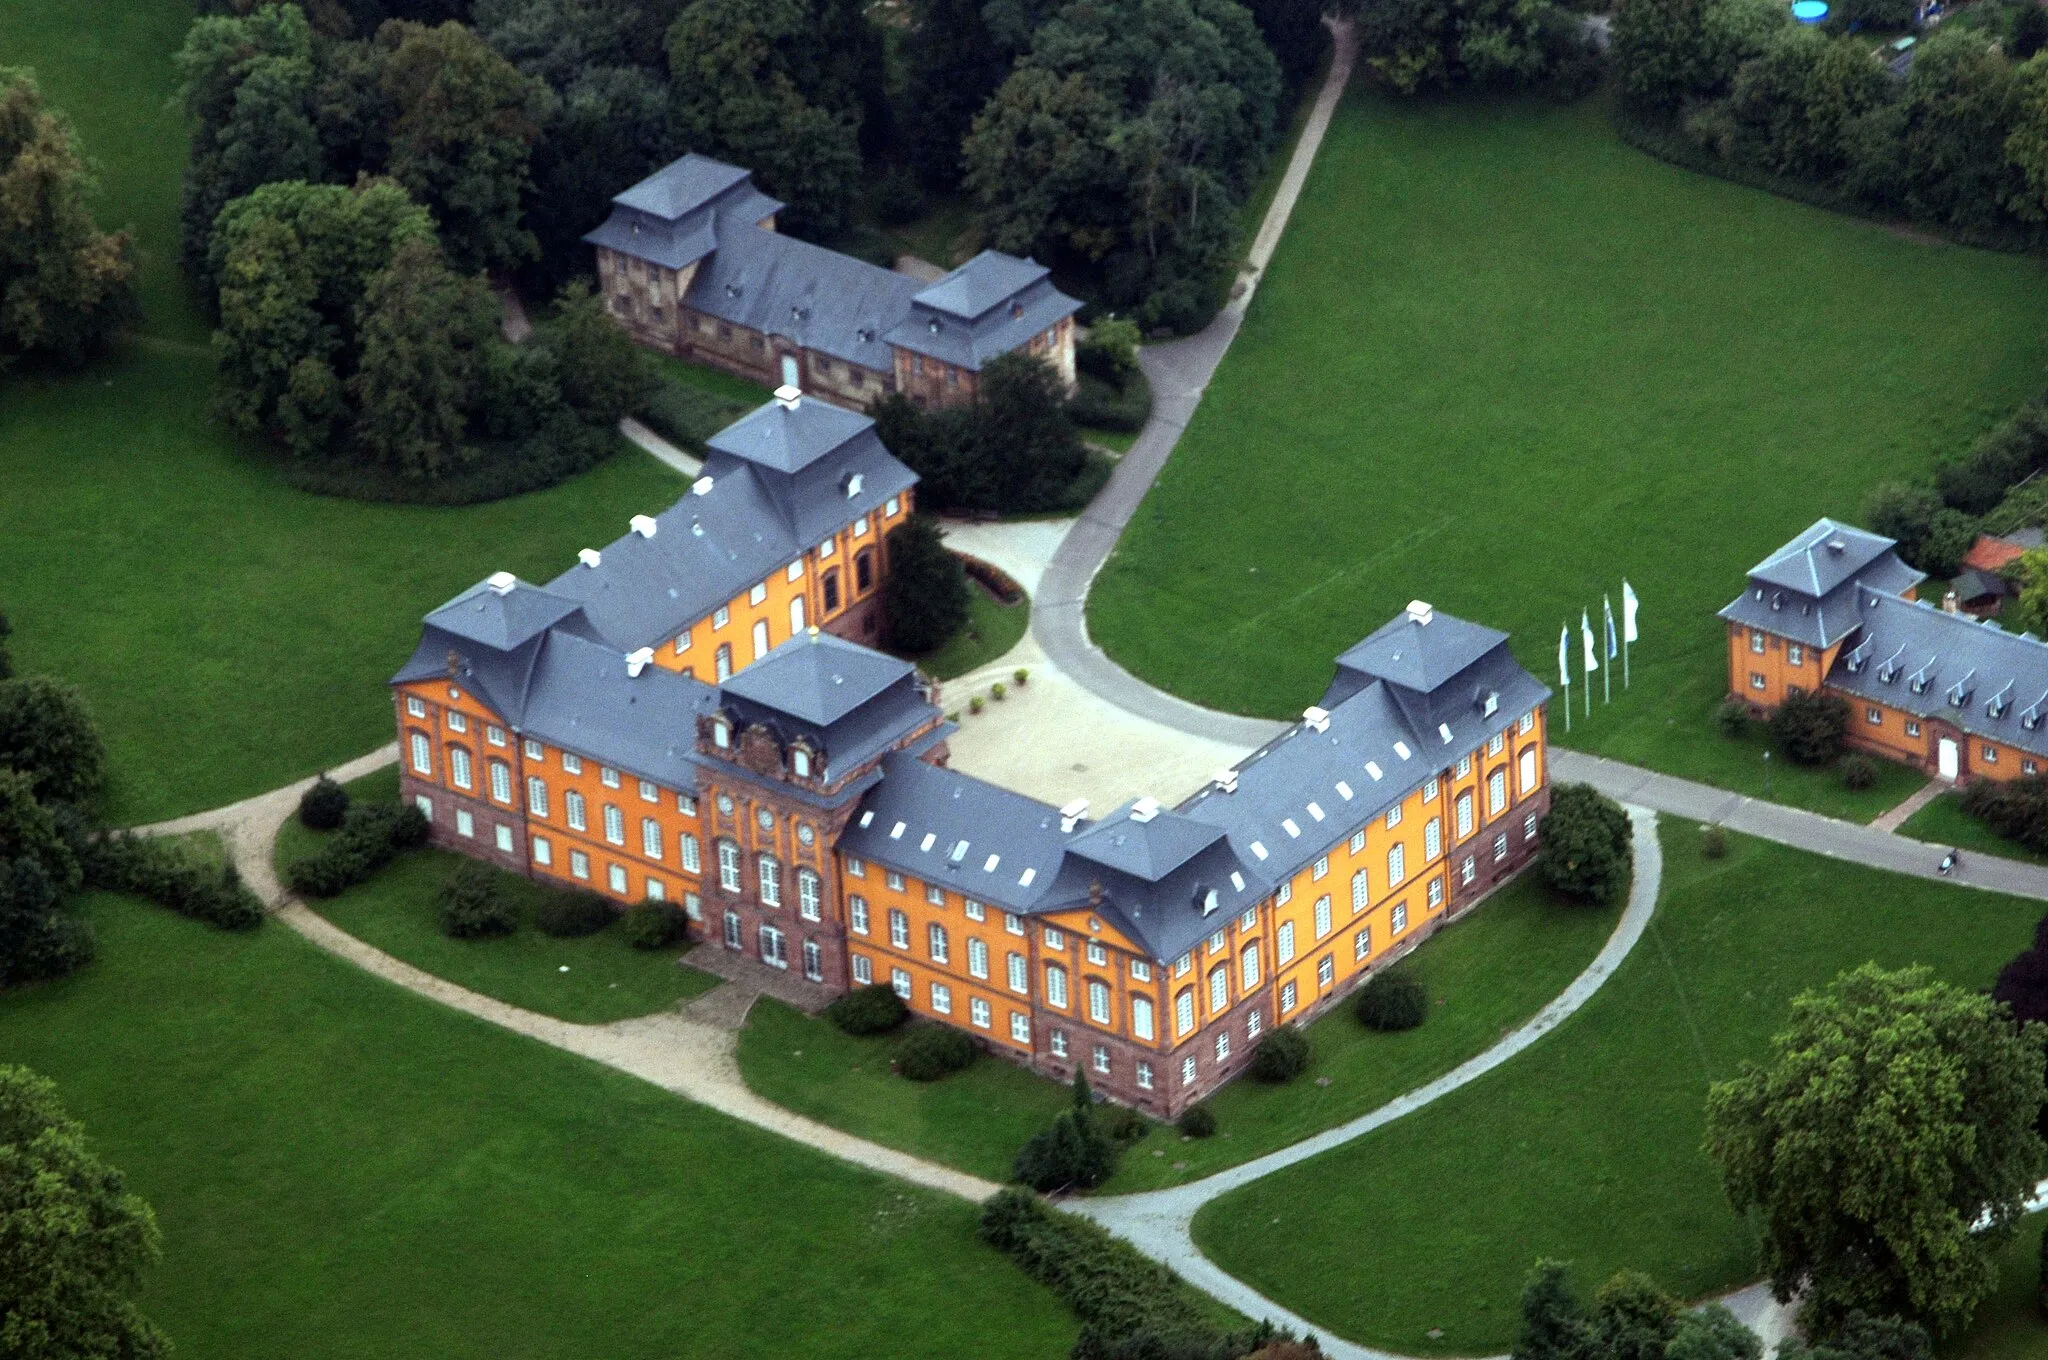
{"points": [[933, 1051], [1281, 1056], [569, 913], [371, 833], [170, 875], [655, 925], [1392, 1001], [2016, 809], [473, 904], [500, 473], [874, 1009], [1106, 406]]}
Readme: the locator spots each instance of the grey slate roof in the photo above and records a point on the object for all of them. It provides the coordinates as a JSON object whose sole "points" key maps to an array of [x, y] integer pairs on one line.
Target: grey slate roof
{"points": [[917, 818], [1934, 664], [1172, 896], [1971, 584], [683, 212], [1150, 849], [1806, 590], [682, 186], [751, 522], [501, 620], [819, 678], [789, 437], [983, 282], [987, 307], [822, 300]]}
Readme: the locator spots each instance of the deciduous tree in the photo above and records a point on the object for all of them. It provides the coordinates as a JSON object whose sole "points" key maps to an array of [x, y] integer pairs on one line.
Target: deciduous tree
{"points": [[925, 592], [1585, 847], [47, 733], [423, 329]]}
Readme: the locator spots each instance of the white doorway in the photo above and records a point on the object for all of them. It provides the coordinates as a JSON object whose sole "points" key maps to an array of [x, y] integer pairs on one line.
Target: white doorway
{"points": [[1951, 760], [789, 375]]}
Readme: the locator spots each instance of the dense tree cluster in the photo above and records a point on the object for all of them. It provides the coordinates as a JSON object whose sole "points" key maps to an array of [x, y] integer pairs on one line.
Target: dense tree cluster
{"points": [[66, 287], [1961, 141], [1511, 44], [924, 594], [1991, 487], [1631, 1318], [1895, 1116], [1012, 449]]}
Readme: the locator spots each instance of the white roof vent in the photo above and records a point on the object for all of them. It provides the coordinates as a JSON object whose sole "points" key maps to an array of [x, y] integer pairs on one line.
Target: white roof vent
{"points": [[990, 866], [1072, 813], [1444, 730], [1226, 780], [788, 397], [701, 487], [1317, 719], [1838, 545], [1344, 790], [867, 819], [896, 831], [1401, 750], [1145, 809], [1290, 826], [1209, 901], [644, 525], [1315, 810], [959, 852], [501, 582], [639, 661], [1024, 879], [1420, 611], [930, 838], [1372, 767], [589, 557]]}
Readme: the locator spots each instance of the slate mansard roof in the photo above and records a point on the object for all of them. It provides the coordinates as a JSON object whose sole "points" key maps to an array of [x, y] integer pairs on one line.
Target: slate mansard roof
{"points": [[1925, 661], [1806, 590], [703, 212], [849, 701], [776, 484]]}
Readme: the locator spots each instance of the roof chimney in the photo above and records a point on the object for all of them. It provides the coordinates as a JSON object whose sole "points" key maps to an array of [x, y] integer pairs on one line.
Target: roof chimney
{"points": [[1071, 814], [644, 525], [501, 582], [1145, 809], [589, 557], [1226, 780], [637, 662], [1838, 546], [1316, 719], [1095, 894], [788, 397], [1420, 612], [701, 487]]}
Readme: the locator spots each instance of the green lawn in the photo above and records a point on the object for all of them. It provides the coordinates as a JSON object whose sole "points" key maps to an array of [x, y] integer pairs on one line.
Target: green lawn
{"points": [[592, 980], [1819, 788], [1501, 361], [2009, 1325], [1587, 1148], [342, 1169], [1487, 974], [993, 628], [1943, 822]]}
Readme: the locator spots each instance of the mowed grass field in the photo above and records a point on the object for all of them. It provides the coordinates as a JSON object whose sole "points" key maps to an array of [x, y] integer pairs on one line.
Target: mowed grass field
{"points": [[231, 632], [1500, 362], [1587, 1148], [342, 1169]]}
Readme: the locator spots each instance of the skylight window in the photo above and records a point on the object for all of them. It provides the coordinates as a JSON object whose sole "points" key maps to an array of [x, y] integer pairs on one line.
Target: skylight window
{"points": [[896, 831], [1344, 790], [930, 839], [1237, 880], [959, 852], [1024, 879], [867, 819], [1372, 767], [993, 861], [1287, 823], [1258, 849], [1401, 750], [1315, 811]]}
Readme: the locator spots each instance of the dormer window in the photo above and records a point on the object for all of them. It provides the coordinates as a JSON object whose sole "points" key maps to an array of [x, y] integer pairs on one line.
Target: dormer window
{"points": [[1490, 705], [721, 734], [1777, 599], [800, 763]]}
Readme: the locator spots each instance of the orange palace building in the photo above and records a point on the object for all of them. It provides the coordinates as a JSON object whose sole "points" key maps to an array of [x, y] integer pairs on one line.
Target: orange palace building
{"points": [[687, 716]]}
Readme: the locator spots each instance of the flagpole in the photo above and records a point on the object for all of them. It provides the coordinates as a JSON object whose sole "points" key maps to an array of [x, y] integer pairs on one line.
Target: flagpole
{"points": [[1624, 661], [1607, 682]]}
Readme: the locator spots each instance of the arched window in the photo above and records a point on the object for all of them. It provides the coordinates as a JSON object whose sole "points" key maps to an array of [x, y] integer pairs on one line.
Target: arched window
{"points": [[1219, 988], [1184, 1011], [722, 661], [1464, 815], [1528, 771], [831, 591], [1361, 893], [1056, 986], [800, 762], [1496, 793], [1397, 865], [864, 570], [721, 731], [650, 838], [1141, 1018], [796, 617], [728, 866], [1248, 967], [458, 766], [935, 940], [1098, 1001], [614, 824], [422, 755]]}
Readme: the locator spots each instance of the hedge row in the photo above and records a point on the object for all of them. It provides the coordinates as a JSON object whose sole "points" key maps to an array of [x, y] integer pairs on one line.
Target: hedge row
{"points": [[1104, 405], [502, 472], [170, 875], [371, 833]]}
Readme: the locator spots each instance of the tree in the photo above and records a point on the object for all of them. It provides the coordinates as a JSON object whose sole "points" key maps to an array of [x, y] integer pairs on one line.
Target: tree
{"points": [[423, 331], [924, 593], [6, 661], [37, 940], [47, 733], [2029, 32], [1866, 1338], [77, 1243], [464, 121], [1072, 1151], [1810, 728], [1660, 53], [1712, 1333], [1585, 845], [66, 287], [29, 830], [1896, 1113], [1633, 1319], [1022, 435], [1940, 151], [610, 127], [952, 63], [1553, 1320], [248, 92], [1294, 30]]}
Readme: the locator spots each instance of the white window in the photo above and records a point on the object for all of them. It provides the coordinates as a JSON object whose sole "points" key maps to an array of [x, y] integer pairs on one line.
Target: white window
{"points": [[1285, 941], [1436, 893], [1248, 967], [1361, 892], [656, 892], [1493, 747], [691, 854], [1429, 791], [1795, 655], [1252, 1025], [893, 880], [1756, 642], [1397, 866], [732, 930], [617, 878], [614, 825], [579, 864], [415, 706], [857, 911], [607, 776], [1285, 895], [977, 958], [814, 961], [1219, 988], [758, 593], [1055, 986], [889, 510], [458, 765], [422, 754], [1013, 923], [571, 764], [1098, 1001], [1500, 847], [1528, 771], [650, 838], [1432, 838], [728, 866], [796, 571], [1144, 1076], [1059, 1043], [572, 805], [1286, 997], [1020, 1027], [1187, 1070], [721, 616], [863, 970], [860, 526], [978, 1012], [1393, 816], [899, 929], [1464, 766], [1054, 939], [1912, 728], [1019, 978], [1095, 954], [935, 941], [1326, 970], [682, 642], [425, 805], [465, 825], [1322, 866], [1464, 815], [856, 868], [1141, 971], [534, 750], [494, 734], [1496, 793], [1322, 916], [1756, 680], [942, 998], [760, 638], [1181, 966], [1216, 943], [649, 793], [1468, 871], [1141, 1017], [1529, 826], [899, 981], [1398, 922], [1990, 754], [1358, 841], [1361, 945], [536, 796], [686, 804], [807, 894], [1184, 1012], [457, 722], [1223, 1047], [543, 853], [770, 870], [1249, 921], [973, 910]]}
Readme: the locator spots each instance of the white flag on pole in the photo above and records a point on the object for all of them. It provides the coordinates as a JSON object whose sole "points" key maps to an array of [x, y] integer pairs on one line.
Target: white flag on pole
{"points": [[1564, 656], [1591, 662], [1628, 612]]}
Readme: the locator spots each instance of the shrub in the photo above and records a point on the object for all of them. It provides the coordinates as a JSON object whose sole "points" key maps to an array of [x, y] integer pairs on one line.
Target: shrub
{"points": [[1070, 1152], [569, 913], [998, 691], [655, 925], [933, 1051], [38, 939], [1859, 773], [1110, 352], [868, 1010], [47, 733], [1123, 1123], [1281, 1056], [170, 875], [924, 594], [321, 807], [1101, 405], [365, 843], [473, 904], [1809, 728], [1197, 1121], [2016, 809], [410, 828], [975, 704], [1392, 1000], [1732, 717], [1021, 676], [1713, 842], [1585, 848]]}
